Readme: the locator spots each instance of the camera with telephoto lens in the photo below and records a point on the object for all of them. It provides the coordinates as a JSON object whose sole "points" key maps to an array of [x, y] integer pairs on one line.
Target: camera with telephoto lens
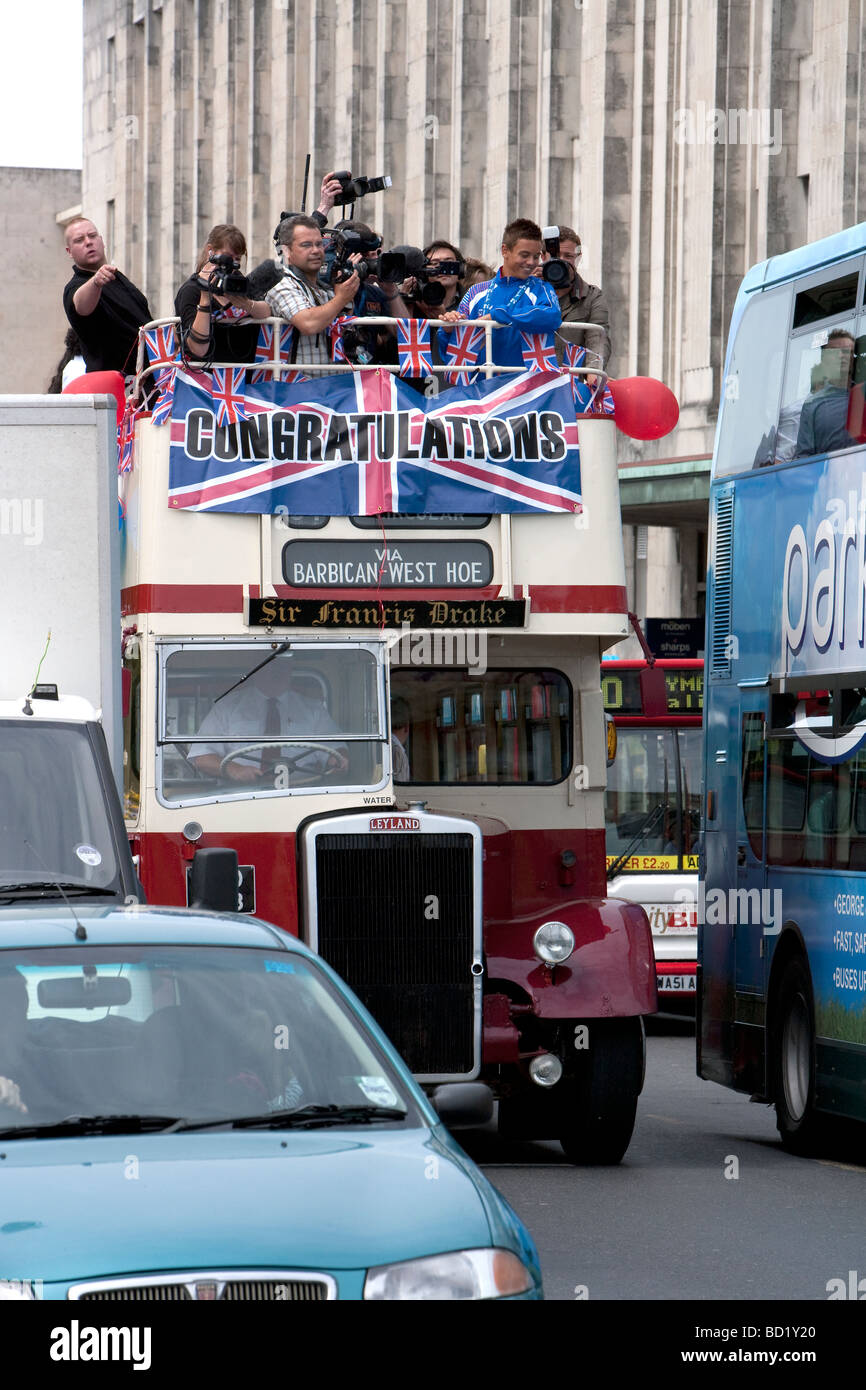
{"points": [[339, 246], [555, 271], [226, 277], [430, 289], [352, 189]]}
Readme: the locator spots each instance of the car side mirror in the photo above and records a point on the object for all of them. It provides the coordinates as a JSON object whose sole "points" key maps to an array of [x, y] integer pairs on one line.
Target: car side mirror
{"points": [[213, 880], [463, 1104]]}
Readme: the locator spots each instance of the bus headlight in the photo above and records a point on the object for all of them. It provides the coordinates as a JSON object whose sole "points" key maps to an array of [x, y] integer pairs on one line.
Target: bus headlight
{"points": [[461, 1274], [553, 942], [545, 1070]]}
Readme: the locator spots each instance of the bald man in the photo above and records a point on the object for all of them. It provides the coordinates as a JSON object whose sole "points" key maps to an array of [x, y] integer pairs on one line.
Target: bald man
{"points": [[105, 309]]}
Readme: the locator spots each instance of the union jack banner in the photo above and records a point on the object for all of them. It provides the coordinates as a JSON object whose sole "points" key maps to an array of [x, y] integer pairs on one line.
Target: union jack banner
{"points": [[464, 348], [161, 413], [265, 348], [228, 391], [364, 443], [413, 347], [161, 344], [539, 353], [335, 333]]}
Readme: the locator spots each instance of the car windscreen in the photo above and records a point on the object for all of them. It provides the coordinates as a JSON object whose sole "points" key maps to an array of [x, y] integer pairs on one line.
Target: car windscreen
{"points": [[185, 1032], [53, 818]]}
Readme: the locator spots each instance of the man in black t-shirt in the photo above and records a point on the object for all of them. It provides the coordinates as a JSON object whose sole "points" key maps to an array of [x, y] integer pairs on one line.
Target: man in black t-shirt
{"points": [[105, 309]]}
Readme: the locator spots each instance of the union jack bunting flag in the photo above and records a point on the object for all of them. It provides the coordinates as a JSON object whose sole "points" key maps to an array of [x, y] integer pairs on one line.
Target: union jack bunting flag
{"points": [[463, 349], [265, 348], [413, 347], [126, 436], [161, 344], [228, 391], [575, 356], [161, 413], [539, 353], [602, 400], [335, 333]]}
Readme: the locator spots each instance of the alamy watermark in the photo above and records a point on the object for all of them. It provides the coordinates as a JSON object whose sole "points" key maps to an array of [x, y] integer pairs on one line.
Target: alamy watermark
{"points": [[716, 907], [738, 125], [22, 516], [423, 647]]}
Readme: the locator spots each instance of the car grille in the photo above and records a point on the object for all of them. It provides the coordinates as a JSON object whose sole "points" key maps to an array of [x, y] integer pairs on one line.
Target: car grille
{"points": [[411, 970], [209, 1287]]}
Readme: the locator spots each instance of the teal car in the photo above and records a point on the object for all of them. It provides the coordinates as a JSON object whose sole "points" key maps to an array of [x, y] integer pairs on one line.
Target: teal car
{"points": [[193, 1106]]}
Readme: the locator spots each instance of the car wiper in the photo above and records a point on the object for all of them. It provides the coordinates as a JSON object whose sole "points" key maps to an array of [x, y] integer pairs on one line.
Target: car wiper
{"points": [[88, 1124], [40, 888], [307, 1117], [653, 816]]}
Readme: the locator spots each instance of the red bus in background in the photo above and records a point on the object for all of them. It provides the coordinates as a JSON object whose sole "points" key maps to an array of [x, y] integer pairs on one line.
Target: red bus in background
{"points": [[652, 814]]}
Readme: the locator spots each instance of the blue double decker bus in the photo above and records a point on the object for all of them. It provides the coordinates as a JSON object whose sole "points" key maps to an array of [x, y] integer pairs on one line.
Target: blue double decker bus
{"points": [[782, 897]]}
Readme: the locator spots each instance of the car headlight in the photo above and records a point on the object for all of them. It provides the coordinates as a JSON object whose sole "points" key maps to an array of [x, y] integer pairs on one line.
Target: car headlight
{"points": [[459, 1274], [553, 942], [16, 1291]]}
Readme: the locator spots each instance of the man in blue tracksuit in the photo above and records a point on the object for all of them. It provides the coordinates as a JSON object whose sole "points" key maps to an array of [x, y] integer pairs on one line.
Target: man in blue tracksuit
{"points": [[516, 297]]}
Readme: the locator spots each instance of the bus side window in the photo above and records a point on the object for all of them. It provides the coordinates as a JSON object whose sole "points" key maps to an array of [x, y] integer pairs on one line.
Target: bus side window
{"points": [[787, 781], [753, 781], [752, 384], [815, 400]]}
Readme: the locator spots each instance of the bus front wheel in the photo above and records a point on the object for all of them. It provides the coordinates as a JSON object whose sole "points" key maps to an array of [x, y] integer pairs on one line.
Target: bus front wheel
{"points": [[602, 1105], [794, 1062]]}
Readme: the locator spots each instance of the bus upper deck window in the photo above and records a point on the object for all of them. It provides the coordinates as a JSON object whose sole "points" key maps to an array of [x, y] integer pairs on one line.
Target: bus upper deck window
{"points": [[823, 301], [752, 384]]}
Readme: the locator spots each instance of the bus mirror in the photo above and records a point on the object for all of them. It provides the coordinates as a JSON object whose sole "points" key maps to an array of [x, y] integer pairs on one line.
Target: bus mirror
{"points": [[213, 880], [653, 692], [611, 739]]}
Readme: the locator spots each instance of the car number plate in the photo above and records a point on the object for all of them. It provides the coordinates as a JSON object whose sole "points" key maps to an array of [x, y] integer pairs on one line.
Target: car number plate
{"points": [[676, 984]]}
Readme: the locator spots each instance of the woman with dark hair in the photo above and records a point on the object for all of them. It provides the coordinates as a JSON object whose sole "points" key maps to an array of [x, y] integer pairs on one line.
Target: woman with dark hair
{"points": [[218, 327], [70, 365]]}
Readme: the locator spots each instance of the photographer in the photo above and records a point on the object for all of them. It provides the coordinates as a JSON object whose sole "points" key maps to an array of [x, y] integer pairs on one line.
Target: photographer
{"points": [[581, 302], [300, 298], [213, 306], [380, 294], [438, 286]]}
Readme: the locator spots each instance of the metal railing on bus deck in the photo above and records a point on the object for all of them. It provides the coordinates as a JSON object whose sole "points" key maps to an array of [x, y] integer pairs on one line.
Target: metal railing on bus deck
{"points": [[277, 367]]}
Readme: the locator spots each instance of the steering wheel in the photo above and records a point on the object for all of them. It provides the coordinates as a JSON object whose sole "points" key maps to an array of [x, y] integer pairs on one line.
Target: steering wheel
{"points": [[290, 762]]}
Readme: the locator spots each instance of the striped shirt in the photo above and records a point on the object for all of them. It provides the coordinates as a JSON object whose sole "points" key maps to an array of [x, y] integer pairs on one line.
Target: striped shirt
{"points": [[291, 296]]}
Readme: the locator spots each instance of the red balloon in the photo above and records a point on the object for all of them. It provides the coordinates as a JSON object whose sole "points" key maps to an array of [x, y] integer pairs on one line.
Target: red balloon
{"points": [[643, 407], [99, 384]]}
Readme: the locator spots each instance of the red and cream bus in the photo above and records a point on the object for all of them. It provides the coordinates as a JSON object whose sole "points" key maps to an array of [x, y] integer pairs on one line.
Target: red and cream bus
{"points": [[652, 813], [450, 865]]}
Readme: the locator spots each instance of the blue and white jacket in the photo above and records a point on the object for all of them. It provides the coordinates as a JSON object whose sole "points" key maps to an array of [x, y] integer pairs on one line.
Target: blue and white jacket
{"points": [[528, 306]]}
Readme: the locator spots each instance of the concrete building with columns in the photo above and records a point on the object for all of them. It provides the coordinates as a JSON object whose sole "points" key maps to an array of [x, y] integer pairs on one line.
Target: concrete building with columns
{"points": [[684, 139]]}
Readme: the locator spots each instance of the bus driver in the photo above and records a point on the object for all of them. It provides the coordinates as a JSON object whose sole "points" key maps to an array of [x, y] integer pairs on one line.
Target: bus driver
{"points": [[262, 707]]}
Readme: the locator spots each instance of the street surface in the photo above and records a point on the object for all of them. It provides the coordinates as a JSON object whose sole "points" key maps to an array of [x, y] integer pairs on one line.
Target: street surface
{"points": [[668, 1223]]}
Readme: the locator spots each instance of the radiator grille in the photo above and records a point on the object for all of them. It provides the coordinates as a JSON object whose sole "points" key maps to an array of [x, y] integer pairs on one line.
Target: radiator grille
{"points": [[205, 1287], [378, 896]]}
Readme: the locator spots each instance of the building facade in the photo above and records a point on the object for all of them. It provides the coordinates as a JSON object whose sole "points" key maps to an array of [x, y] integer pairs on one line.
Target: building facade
{"points": [[36, 270], [684, 139]]}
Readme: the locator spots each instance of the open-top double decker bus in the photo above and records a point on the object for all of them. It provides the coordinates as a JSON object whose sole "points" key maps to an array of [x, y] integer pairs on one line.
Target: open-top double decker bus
{"points": [[782, 931], [466, 903], [652, 813]]}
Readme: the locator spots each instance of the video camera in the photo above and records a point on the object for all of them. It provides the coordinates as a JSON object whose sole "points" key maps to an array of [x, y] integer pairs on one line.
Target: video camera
{"points": [[352, 189], [557, 272], [430, 288], [339, 246], [226, 277]]}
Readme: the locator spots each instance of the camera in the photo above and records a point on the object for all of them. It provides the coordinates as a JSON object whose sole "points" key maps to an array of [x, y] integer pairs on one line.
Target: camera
{"points": [[555, 271], [430, 288], [339, 246], [351, 189], [226, 277]]}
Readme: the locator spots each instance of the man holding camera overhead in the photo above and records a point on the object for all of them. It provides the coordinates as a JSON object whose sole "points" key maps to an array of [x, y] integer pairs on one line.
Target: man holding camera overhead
{"points": [[299, 297]]}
